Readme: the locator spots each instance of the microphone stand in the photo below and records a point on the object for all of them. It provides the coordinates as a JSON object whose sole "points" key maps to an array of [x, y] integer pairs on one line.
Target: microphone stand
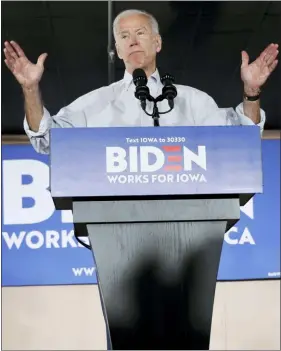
{"points": [[155, 113]]}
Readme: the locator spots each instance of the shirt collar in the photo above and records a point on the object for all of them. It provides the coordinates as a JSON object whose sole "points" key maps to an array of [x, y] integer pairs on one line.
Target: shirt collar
{"points": [[128, 78]]}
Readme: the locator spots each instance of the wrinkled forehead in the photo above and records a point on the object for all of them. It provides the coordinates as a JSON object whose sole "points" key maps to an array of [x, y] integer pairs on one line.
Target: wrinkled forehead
{"points": [[133, 23]]}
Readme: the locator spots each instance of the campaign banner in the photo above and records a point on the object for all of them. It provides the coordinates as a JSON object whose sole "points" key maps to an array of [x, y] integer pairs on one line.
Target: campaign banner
{"points": [[39, 247], [251, 248], [38, 243], [155, 161]]}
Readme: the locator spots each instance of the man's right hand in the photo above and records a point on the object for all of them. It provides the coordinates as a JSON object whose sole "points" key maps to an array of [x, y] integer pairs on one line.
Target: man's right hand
{"points": [[26, 73]]}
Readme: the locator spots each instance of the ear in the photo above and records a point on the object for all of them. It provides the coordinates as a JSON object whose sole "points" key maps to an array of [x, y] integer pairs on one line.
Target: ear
{"points": [[118, 51], [158, 43]]}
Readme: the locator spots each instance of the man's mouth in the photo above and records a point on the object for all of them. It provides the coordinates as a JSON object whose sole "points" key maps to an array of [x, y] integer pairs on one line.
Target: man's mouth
{"points": [[136, 52]]}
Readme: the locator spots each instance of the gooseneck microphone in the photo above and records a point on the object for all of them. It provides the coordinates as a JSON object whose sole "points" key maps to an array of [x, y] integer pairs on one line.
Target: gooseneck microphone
{"points": [[142, 93], [169, 91]]}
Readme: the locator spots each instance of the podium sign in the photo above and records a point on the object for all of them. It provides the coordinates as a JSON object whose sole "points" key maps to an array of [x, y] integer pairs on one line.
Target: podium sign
{"points": [[123, 161]]}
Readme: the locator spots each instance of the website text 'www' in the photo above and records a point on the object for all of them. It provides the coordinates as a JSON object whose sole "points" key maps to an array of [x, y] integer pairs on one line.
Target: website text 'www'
{"points": [[84, 271]]}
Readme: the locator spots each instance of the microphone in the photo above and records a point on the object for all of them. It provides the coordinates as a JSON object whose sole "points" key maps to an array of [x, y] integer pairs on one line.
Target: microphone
{"points": [[142, 91], [169, 91]]}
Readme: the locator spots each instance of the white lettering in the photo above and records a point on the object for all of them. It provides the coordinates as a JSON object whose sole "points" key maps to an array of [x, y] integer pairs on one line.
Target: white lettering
{"points": [[273, 274], [67, 239], [144, 157], [115, 159], [66, 216], [39, 240], [170, 178], [49, 239], [248, 208], [200, 159], [133, 158], [203, 179], [89, 271], [185, 177], [13, 239], [122, 179], [52, 239], [227, 237], [14, 192], [112, 179], [246, 237], [194, 177]]}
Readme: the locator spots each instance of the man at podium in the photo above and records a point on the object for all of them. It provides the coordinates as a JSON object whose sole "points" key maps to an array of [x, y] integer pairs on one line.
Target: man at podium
{"points": [[157, 256], [137, 43]]}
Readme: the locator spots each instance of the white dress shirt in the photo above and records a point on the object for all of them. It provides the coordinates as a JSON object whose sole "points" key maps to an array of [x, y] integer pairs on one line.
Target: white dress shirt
{"points": [[115, 105]]}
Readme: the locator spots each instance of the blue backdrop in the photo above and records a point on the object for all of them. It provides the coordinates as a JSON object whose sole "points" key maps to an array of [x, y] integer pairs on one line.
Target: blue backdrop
{"points": [[39, 248]]}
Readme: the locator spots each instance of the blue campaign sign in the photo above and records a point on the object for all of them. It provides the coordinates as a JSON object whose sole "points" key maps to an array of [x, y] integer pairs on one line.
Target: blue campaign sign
{"points": [[38, 243], [155, 161], [252, 247], [39, 248]]}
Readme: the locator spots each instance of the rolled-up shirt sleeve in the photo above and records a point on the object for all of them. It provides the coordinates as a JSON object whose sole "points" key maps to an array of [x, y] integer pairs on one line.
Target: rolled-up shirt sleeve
{"points": [[40, 139], [244, 120], [67, 117]]}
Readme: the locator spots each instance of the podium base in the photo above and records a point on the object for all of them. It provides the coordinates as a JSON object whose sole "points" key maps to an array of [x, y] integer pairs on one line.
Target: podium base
{"points": [[158, 282]]}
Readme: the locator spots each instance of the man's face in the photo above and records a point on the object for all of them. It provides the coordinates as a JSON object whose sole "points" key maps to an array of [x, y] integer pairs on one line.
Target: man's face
{"points": [[136, 44]]}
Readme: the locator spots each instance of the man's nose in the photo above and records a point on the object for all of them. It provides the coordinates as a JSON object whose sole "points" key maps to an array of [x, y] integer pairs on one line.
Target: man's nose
{"points": [[133, 40]]}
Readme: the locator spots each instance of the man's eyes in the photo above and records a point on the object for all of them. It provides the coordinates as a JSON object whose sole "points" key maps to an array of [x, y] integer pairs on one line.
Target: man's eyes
{"points": [[124, 36]]}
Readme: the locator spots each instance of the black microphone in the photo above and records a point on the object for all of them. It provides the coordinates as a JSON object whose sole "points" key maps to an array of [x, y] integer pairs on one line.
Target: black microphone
{"points": [[142, 91], [169, 91]]}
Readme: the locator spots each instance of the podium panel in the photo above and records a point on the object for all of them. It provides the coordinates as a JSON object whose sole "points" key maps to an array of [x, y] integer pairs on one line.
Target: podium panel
{"points": [[156, 203], [148, 161]]}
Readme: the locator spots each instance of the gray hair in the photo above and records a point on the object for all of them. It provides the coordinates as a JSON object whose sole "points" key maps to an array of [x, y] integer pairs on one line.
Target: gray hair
{"points": [[126, 13]]}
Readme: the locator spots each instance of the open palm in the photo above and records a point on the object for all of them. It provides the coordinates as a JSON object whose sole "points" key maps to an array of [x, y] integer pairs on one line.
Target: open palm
{"points": [[254, 75], [26, 73]]}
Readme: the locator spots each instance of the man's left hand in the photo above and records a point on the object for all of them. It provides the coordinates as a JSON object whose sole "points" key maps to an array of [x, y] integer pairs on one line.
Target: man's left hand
{"points": [[254, 75]]}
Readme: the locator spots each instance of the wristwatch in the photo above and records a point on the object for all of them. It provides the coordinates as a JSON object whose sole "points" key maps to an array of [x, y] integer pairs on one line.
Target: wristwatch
{"points": [[251, 98]]}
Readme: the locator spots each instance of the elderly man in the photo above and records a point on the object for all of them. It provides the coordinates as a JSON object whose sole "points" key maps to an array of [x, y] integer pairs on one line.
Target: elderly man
{"points": [[137, 43]]}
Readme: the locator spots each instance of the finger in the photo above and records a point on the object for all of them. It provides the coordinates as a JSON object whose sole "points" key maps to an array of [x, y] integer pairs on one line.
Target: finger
{"points": [[273, 66], [8, 55], [41, 59], [17, 48], [245, 59], [271, 49], [11, 50], [265, 51], [9, 65], [271, 57]]}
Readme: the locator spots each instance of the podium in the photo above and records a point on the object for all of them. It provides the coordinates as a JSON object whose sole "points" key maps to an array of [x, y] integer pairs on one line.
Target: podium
{"points": [[155, 204]]}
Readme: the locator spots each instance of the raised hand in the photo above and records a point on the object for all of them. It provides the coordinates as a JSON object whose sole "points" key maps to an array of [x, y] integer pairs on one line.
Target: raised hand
{"points": [[255, 74], [27, 73]]}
